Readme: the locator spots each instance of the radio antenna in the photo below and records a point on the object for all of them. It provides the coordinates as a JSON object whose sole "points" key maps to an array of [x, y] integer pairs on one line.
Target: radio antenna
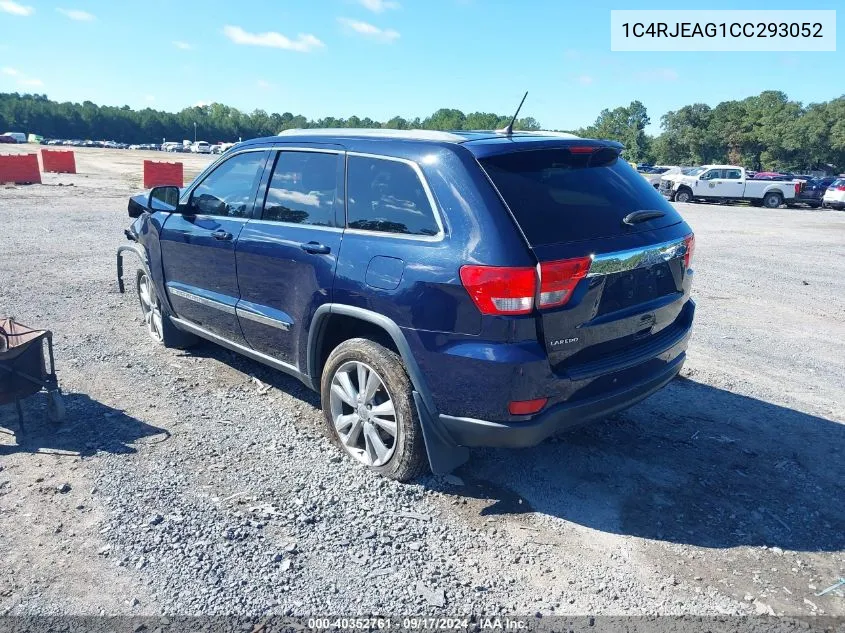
{"points": [[508, 129]]}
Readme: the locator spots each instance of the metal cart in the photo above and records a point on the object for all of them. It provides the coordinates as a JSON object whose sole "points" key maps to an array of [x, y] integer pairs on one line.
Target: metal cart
{"points": [[23, 368]]}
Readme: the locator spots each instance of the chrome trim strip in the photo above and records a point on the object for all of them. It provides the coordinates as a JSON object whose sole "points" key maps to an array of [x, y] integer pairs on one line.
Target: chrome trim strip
{"points": [[423, 135], [318, 227], [282, 147], [623, 261], [246, 351], [261, 318], [211, 303], [428, 193]]}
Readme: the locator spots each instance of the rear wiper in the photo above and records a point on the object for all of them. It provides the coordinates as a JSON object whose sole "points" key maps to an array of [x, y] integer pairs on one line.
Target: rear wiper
{"points": [[642, 216]]}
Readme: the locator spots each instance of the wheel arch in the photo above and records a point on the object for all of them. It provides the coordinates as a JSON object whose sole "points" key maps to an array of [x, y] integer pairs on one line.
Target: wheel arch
{"points": [[318, 331], [444, 454]]}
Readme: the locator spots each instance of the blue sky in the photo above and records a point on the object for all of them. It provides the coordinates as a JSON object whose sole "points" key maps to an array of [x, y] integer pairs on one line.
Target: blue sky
{"points": [[380, 58]]}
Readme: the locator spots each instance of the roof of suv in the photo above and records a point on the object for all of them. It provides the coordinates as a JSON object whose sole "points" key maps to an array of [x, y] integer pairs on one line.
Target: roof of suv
{"points": [[481, 143]]}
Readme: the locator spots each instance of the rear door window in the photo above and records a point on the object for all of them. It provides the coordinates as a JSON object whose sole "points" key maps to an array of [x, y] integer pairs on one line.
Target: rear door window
{"points": [[303, 189], [387, 196], [556, 196]]}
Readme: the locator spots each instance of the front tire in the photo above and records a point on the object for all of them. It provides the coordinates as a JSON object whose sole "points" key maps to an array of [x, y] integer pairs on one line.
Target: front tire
{"points": [[368, 403], [156, 320], [683, 196]]}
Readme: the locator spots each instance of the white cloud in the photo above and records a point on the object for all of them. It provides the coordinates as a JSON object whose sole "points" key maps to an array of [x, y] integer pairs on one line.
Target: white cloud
{"points": [[149, 98], [77, 14], [304, 42], [263, 84], [658, 74], [31, 82], [378, 6], [182, 45], [369, 30], [11, 72], [7, 6], [585, 80]]}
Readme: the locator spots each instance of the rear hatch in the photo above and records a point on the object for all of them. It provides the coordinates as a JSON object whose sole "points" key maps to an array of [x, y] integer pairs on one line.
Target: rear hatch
{"points": [[580, 201]]}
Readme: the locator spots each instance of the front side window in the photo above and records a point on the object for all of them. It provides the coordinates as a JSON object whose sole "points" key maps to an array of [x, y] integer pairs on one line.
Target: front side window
{"points": [[711, 175], [230, 189], [303, 189], [387, 196]]}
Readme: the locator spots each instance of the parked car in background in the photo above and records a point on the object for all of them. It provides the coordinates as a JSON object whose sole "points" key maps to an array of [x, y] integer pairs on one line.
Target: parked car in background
{"points": [[834, 196], [7, 139], [201, 147], [361, 271], [813, 190], [217, 148], [727, 182], [18, 137]]}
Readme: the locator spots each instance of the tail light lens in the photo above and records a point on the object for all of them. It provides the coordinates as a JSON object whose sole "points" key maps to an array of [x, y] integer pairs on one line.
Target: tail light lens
{"points": [[558, 280], [839, 188], [500, 290], [689, 241], [798, 187]]}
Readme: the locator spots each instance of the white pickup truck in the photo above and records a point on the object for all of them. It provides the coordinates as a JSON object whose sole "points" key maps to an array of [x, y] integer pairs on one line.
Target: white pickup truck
{"points": [[727, 182]]}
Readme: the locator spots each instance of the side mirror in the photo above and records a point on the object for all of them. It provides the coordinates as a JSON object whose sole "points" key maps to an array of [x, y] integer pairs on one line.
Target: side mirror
{"points": [[163, 199]]}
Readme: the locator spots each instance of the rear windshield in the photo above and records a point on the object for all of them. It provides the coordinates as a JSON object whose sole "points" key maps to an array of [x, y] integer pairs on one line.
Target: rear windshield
{"points": [[557, 196]]}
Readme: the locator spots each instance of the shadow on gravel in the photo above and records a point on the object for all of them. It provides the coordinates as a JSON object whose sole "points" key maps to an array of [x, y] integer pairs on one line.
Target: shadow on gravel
{"points": [[692, 464], [89, 426], [269, 376]]}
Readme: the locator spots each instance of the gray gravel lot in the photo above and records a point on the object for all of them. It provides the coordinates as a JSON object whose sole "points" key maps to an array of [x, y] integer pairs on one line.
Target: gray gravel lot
{"points": [[193, 489]]}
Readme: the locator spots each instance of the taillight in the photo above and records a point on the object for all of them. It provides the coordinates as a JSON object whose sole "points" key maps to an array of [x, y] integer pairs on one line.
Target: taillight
{"points": [[798, 186], [840, 188], [558, 280], [500, 290], [689, 242]]}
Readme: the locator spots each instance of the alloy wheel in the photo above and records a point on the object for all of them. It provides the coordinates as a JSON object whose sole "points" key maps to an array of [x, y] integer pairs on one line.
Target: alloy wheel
{"points": [[150, 308], [363, 413]]}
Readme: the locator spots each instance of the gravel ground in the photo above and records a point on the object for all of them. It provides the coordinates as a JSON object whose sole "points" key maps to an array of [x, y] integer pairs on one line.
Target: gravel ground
{"points": [[201, 483]]}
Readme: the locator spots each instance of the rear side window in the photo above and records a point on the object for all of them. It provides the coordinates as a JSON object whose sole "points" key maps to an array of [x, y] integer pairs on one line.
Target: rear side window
{"points": [[732, 174], [556, 196], [387, 196], [303, 189]]}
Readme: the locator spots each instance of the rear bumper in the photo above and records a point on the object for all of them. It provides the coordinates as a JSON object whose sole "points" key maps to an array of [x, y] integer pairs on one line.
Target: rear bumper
{"points": [[472, 432]]}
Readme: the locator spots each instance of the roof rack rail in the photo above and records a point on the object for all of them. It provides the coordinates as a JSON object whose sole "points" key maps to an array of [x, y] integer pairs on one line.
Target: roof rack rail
{"points": [[417, 135]]}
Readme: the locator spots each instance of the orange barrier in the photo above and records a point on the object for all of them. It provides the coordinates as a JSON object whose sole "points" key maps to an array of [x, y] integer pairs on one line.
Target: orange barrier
{"points": [[19, 168], [159, 173], [58, 161]]}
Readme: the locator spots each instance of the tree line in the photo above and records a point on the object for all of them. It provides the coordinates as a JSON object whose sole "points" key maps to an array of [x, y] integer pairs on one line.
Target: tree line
{"points": [[763, 132]]}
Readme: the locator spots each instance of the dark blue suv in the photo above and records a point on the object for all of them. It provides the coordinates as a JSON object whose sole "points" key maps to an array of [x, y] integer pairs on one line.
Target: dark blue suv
{"points": [[440, 290]]}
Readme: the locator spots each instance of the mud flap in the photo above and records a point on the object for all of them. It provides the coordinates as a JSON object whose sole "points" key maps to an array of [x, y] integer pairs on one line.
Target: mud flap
{"points": [[444, 455]]}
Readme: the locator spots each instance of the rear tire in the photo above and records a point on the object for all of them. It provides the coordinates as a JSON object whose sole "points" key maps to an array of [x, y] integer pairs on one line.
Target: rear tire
{"points": [[375, 423], [683, 196], [772, 200], [156, 318]]}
